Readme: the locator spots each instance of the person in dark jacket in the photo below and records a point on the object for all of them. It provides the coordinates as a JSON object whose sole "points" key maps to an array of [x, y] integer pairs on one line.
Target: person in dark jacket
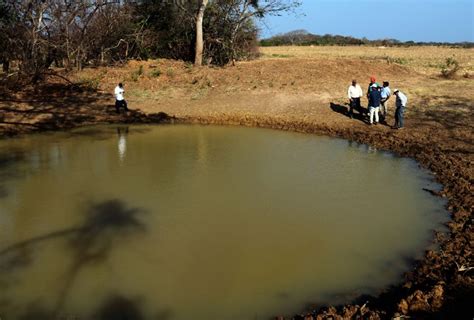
{"points": [[375, 98], [371, 85]]}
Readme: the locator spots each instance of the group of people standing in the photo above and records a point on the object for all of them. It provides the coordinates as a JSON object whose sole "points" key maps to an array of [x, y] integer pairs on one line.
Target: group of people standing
{"points": [[378, 97]]}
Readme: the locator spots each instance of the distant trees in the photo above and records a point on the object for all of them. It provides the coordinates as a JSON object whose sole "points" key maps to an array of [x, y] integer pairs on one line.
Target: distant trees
{"points": [[304, 38]]}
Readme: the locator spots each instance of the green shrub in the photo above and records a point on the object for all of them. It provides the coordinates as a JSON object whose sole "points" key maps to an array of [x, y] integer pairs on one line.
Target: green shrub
{"points": [[170, 72], [155, 73], [276, 55], [136, 74], [450, 68], [401, 61]]}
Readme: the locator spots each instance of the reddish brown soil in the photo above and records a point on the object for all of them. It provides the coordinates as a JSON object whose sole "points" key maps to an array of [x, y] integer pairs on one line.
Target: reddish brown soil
{"points": [[304, 96]]}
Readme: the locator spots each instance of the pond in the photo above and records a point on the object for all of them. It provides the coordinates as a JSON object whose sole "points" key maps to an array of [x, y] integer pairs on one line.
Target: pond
{"points": [[202, 222]]}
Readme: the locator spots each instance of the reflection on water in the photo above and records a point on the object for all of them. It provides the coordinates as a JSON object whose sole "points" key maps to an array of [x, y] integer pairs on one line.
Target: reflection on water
{"points": [[122, 142], [201, 222]]}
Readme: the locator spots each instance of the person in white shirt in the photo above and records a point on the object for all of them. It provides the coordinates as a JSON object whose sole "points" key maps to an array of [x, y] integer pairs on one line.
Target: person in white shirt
{"points": [[119, 99], [385, 93], [354, 93], [401, 103]]}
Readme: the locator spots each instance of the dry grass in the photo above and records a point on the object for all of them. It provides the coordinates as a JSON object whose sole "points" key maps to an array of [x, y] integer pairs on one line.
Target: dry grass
{"points": [[427, 59]]}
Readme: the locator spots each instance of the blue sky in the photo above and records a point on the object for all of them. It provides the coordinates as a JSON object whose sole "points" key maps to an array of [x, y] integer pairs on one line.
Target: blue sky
{"points": [[417, 20]]}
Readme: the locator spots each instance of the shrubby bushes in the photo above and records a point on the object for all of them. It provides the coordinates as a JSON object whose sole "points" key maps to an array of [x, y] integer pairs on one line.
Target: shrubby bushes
{"points": [[38, 34]]}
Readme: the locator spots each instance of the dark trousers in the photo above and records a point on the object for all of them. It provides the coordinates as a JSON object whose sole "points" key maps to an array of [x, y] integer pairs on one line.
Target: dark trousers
{"points": [[383, 109], [399, 117], [119, 104], [354, 104]]}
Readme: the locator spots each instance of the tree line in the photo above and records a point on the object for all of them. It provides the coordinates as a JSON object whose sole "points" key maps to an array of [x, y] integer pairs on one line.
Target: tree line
{"points": [[305, 38], [36, 35]]}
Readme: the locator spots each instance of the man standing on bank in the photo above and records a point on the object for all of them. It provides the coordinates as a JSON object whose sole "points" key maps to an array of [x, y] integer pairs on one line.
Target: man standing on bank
{"points": [[374, 104], [385, 93], [119, 99], [401, 104], [354, 93]]}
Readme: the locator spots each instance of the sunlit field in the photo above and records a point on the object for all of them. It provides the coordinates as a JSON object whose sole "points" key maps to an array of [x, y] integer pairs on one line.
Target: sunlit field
{"points": [[424, 59]]}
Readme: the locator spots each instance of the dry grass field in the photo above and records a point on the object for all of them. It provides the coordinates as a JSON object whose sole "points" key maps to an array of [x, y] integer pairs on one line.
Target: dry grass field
{"points": [[426, 59]]}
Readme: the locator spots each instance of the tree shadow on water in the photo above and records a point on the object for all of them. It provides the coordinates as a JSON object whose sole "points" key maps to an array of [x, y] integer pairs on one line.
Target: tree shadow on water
{"points": [[109, 216], [119, 307], [3, 192], [88, 243], [114, 307]]}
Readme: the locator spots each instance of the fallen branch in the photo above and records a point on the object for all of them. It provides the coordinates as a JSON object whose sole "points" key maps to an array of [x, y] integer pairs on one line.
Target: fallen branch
{"points": [[463, 268], [54, 74], [435, 193]]}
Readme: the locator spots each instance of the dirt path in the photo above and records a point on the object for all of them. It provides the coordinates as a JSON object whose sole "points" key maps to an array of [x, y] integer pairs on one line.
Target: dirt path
{"points": [[307, 95]]}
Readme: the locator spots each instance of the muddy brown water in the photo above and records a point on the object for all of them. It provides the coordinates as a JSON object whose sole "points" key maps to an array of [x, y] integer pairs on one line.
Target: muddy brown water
{"points": [[202, 222]]}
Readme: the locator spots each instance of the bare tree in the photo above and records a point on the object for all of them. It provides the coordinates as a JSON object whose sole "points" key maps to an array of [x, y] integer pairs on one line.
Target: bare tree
{"points": [[195, 9], [236, 14], [199, 35]]}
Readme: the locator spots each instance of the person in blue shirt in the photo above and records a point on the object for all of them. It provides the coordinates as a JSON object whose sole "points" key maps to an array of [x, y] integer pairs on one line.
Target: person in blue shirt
{"points": [[385, 93], [374, 104]]}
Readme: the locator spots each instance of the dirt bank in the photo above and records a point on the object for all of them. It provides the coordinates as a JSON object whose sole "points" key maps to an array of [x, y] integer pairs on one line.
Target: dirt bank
{"points": [[305, 96]]}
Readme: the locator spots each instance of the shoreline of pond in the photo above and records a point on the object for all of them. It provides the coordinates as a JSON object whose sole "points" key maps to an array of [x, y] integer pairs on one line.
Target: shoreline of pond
{"points": [[437, 285]]}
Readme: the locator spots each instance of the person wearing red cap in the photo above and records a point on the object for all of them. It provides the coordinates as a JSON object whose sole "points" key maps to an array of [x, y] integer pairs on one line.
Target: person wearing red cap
{"points": [[369, 89], [374, 104], [372, 82]]}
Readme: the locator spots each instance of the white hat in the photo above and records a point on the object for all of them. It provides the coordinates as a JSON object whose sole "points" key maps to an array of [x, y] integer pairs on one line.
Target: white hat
{"points": [[395, 91], [374, 85]]}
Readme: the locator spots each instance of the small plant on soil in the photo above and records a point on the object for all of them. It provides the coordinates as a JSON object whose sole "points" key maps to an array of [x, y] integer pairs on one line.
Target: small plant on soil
{"points": [[136, 74], [155, 73], [450, 68], [391, 60], [188, 66], [90, 83], [275, 55], [170, 72]]}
